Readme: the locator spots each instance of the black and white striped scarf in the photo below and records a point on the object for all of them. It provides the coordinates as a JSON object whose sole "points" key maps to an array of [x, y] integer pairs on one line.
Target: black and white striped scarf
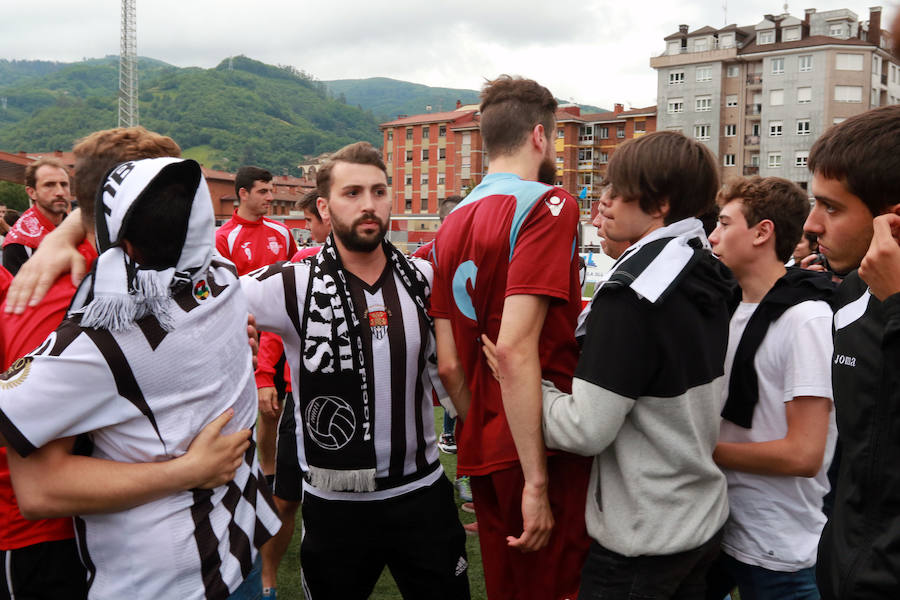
{"points": [[335, 403]]}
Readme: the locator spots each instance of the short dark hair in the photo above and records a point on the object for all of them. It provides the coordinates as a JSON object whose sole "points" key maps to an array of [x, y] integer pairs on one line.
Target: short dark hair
{"points": [[32, 169], [447, 205], [665, 166], [510, 108], [863, 153], [360, 153], [247, 176], [158, 224], [99, 152], [773, 198], [308, 203]]}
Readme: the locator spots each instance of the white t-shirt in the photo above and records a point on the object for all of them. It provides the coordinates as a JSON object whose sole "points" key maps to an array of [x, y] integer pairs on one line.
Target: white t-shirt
{"points": [[776, 521]]}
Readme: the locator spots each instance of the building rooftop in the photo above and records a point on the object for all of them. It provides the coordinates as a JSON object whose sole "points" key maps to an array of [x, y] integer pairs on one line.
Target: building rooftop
{"points": [[440, 117], [814, 40]]}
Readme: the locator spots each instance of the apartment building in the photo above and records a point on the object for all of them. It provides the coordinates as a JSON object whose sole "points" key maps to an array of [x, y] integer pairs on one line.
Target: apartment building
{"points": [[586, 142], [429, 157], [759, 95]]}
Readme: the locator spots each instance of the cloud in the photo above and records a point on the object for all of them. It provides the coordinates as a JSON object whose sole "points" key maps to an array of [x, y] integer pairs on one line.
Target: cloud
{"points": [[594, 51]]}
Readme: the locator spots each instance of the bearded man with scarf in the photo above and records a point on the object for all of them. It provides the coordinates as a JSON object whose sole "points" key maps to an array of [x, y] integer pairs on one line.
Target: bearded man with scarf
{"points": [[360, 446]]}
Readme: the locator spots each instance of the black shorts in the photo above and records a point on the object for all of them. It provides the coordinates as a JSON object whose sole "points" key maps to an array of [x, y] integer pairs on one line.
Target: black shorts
{"points": [[45, 571], [418, 536]]}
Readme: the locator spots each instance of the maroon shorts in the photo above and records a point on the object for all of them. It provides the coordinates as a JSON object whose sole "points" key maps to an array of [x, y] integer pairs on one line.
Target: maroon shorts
{"points": [[553, 572]]}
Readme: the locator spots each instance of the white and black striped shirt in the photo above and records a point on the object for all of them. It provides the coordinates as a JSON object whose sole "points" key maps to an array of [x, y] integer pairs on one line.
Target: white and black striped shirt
{"points": [[143, 395], [395, 343]]}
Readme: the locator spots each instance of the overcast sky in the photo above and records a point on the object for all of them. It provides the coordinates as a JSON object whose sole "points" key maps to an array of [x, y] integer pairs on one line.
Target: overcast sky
{"points": [[591, 51]]}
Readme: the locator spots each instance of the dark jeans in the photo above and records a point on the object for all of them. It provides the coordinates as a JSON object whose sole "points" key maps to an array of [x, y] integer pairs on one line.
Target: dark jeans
{"points": [[757, 583], [608, 575]]}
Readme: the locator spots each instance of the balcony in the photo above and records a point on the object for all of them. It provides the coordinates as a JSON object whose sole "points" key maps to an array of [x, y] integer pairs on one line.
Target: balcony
{"points": [[585, 140], [588, 165], [754, 79], [750, 170], [754, 110], [751, 140]]}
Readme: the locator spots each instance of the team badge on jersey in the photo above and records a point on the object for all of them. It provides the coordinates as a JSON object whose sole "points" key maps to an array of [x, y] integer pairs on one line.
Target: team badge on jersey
{"points": [[555, 204], [378, 323], [16, 374], [201, 290], [246, 248], [274, 246]]}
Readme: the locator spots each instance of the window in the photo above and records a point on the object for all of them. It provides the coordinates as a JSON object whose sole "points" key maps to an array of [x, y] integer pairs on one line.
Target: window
{"points": [[390, 134], [561, 133], [801, 158], [390, 156], [442, 178], [390, 180], [726, 40], [409, 180], [804, 95], [790, 34], [424, 153], [408, 155], [755, 129], [774, 160], [848, 93], [673, 47], [424, 179], [604, 131], [701, 132], [777, 66], [704, 73], [776, 97], [730, 130], [424, 207], [729, 160], [620, 132], [409, 133], [442, 131], [848, 62], [754, 160], [676, 77], [604, 157], [703, 103], [442, 153], [765, 37], [805, 63], [731, 100], [425, 131], [701, 45], [802, 126], [776, 128], [409, 204], [640, 127], [733, 71], [836, 30]]}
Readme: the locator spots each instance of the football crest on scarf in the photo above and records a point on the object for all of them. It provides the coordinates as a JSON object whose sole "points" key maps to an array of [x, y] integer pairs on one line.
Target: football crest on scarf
{"points": [[330, 422]]}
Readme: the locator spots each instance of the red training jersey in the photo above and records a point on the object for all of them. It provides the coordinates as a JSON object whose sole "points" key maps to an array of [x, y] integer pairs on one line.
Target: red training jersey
{"points": [[254, 244], [20, 335], [30, 230], [509, 236]]}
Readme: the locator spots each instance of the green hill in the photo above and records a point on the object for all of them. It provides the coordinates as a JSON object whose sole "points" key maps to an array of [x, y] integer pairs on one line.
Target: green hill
{"points": [[387, 98], [242, 111]]}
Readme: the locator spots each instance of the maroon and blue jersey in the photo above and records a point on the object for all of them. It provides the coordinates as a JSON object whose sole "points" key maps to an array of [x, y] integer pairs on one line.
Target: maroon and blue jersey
{"points": [[509, 236]]}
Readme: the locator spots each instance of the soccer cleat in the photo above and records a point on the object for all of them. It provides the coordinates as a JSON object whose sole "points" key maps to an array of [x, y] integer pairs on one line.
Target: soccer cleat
{"points": [[464, 489], [471, 528], [447, 443], [468, 507]]}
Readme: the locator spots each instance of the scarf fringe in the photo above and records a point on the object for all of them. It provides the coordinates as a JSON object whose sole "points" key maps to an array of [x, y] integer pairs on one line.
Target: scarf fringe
{"points": [[153, 298], [114, 312], [358, 480]]}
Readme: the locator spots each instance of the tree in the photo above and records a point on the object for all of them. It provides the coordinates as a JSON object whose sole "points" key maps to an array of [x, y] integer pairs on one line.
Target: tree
{"points": [[13, 195]]}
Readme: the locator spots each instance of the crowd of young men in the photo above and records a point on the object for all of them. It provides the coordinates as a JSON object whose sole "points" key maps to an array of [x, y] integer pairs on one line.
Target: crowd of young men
{"points": [[672, 442]]}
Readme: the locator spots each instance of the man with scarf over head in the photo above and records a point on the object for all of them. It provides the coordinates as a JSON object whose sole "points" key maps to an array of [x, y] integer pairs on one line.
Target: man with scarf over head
{"points": [[362, 449], [778, 436], [155, 293]]}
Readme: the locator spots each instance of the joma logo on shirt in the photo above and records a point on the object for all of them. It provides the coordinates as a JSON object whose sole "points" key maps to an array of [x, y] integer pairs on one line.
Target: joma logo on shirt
{"points": [[840, 359]]}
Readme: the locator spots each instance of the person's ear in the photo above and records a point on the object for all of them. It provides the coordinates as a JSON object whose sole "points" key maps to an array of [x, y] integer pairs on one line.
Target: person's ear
{"points": [[765, 230]]}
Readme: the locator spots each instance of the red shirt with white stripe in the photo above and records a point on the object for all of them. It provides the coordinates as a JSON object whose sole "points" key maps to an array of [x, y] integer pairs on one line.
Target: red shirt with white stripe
{"points": [[254, 244]]}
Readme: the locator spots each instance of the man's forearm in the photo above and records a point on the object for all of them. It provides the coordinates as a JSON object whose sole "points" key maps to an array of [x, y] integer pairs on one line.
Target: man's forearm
{"points": [[53, 483], [520, 384]]}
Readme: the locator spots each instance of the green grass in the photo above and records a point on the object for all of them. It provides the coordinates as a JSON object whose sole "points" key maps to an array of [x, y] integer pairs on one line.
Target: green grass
{"points": [[290, 588]]}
